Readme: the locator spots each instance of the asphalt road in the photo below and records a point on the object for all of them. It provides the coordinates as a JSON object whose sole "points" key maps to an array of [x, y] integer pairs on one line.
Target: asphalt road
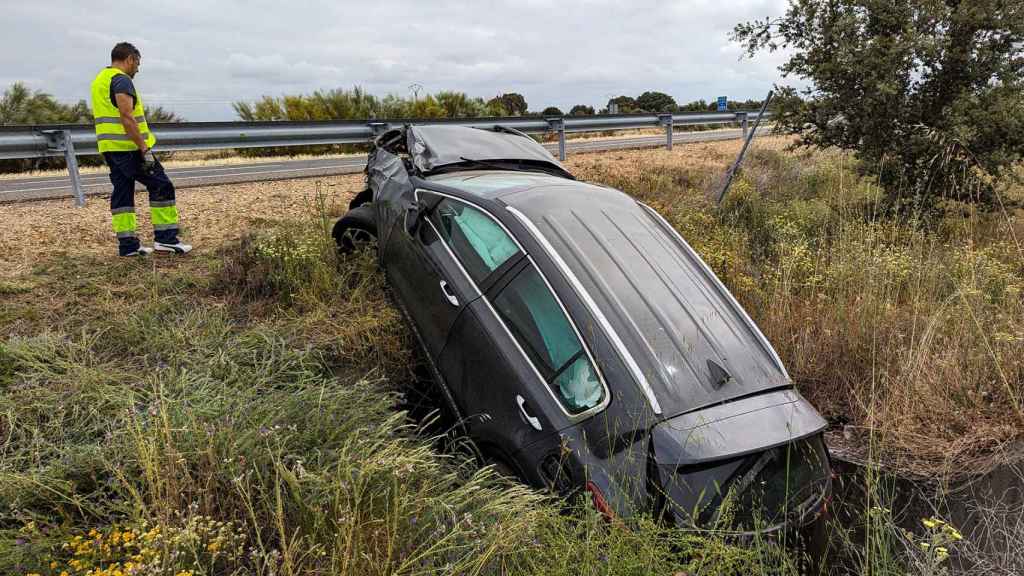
{"points": [[18, 189]]}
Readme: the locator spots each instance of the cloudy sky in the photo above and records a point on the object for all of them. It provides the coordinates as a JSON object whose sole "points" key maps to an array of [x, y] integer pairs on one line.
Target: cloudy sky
{"points": [[198, 56]]}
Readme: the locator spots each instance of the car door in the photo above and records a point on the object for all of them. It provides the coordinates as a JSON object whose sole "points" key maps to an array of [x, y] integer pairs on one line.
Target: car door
{"points": [[521, 369], [432, 283]]}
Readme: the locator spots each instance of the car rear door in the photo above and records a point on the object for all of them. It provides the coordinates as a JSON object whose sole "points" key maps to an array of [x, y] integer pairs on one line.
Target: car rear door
{"points": [[521, 368]]}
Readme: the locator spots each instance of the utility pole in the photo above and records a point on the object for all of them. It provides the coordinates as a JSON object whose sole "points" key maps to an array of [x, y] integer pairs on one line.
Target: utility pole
{"points": [[415, 88]]}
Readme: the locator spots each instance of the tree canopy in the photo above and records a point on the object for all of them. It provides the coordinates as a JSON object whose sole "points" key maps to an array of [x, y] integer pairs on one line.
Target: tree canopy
{"points": [[656, 102], [927, 92], [513, 103]]}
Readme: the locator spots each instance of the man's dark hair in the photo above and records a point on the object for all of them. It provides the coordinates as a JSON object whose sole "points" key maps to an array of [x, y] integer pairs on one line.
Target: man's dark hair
{"points": [[122, 51]]}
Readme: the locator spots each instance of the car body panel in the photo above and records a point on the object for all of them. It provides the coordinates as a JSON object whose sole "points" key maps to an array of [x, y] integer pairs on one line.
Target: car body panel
{"points": [[432, 148], [767, 420], [486, 386], [676, 324]]}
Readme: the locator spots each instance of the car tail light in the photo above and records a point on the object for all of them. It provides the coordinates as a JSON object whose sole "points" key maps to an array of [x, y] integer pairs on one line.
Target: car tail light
{"points": [[600, 503]]}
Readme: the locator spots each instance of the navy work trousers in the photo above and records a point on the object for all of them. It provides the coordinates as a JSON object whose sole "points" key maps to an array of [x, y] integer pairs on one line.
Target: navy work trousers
{"points": [[126, 168]]}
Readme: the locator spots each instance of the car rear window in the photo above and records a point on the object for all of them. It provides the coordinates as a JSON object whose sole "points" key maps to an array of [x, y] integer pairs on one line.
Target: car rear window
{"points": [[479, 242], [538, 322]]}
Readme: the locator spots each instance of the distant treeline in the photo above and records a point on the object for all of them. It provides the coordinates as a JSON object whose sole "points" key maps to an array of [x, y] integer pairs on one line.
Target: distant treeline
{"points": [[20, 105], [357, 104]]}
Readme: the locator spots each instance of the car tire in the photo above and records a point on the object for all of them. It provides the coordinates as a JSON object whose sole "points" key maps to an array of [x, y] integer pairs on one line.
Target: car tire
{"points": [[356, 229]]}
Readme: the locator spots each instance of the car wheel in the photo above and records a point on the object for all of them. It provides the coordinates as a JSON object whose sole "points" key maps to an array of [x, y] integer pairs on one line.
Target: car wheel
{"points": [[355, 230]]}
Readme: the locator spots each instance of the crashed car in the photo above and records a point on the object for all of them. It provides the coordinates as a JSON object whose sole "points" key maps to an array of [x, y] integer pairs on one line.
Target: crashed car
{"points": [[579, 341]]}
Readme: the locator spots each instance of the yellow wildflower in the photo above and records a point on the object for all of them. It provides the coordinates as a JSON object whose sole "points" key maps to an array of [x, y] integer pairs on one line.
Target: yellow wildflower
{"points": [[925, 545], [929, 523], [941, 553]]}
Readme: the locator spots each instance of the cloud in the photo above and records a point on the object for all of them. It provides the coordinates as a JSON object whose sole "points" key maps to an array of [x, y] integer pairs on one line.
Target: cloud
{"points": [[199, 56]]}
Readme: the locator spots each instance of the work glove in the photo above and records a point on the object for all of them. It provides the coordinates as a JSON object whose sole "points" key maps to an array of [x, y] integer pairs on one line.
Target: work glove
{"points": [[149, 162]]}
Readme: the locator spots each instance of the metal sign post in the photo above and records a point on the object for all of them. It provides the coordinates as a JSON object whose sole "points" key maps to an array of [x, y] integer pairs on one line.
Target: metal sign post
{"points": [[743, 151]]}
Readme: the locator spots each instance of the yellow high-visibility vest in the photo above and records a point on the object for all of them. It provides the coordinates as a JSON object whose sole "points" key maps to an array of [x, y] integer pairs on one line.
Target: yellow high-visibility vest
{"points": [[110, 133]]}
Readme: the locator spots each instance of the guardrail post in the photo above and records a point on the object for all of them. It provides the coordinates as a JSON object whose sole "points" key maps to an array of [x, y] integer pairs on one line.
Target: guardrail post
{"points": [[742, 117], [666, 121], [558, 124], [60, 141]]}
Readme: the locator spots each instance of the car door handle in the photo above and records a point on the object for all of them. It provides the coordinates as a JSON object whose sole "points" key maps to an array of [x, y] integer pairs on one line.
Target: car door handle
{"points": [[533, 420], [452, 298]]}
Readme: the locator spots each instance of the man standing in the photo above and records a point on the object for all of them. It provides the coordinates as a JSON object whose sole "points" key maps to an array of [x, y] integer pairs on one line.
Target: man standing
{"points": [[124, 139]]}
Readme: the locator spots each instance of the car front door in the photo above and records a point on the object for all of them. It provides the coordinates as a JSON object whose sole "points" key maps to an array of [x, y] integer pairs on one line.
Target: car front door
{"points": [[434, 281]]}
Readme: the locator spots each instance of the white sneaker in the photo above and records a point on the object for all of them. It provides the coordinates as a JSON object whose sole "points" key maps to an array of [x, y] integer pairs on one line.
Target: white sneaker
{"points": [[179, 248], [142, 251]]}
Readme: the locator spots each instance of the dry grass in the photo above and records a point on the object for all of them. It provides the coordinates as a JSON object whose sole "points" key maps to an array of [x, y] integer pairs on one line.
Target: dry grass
{"points": [[909, 331]]}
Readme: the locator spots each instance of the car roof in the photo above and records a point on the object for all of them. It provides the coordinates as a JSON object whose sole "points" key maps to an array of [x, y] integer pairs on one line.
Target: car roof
{"points": [[691, 344], [437, 146]]}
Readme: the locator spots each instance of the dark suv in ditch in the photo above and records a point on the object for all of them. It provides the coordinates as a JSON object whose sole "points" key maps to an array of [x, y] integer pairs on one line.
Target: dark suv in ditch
{"points": [[579, 340]]}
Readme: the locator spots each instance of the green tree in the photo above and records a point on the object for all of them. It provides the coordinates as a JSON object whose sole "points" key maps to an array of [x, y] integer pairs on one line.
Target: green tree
{"points": [[551, 111], [928, 93], [581, 110], [512, 103], [697, 106], [656, 102], [20, 105], [493, 107], [427, 107], [626, 104], [455, 104]]}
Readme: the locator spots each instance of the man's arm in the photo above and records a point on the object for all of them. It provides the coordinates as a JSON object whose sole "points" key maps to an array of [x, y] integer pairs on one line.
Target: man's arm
{"points": [[126, 105]]}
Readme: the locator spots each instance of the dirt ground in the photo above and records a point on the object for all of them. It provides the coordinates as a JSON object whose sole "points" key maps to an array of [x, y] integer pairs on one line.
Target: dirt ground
{"points": [[210, 217], [214, 215]]}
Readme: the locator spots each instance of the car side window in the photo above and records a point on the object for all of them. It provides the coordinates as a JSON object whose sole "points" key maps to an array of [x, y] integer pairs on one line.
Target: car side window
{"points": [[477, 240], [540, 325]]}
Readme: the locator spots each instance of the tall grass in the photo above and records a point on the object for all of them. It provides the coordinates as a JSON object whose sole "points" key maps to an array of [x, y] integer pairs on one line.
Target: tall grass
{"points": [[239, 415], [909, 327]]}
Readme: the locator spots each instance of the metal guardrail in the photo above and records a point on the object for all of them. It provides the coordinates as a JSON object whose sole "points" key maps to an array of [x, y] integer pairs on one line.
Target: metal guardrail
{"points": [[71, 140]]}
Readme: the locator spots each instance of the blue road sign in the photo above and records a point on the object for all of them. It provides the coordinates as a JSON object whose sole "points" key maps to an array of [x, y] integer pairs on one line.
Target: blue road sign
{"points": [[723, 103]]}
